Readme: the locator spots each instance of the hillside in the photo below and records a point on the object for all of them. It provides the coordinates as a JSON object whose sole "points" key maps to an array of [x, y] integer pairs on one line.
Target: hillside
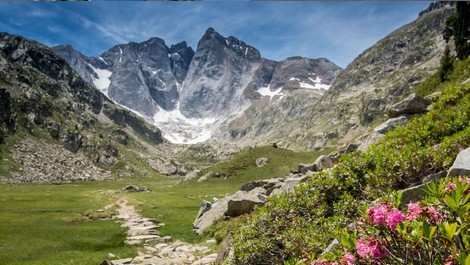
{"points": [[302, 224], [358, 98], [55, 127]]}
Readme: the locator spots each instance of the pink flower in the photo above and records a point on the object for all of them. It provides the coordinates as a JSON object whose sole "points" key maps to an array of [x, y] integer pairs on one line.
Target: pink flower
{"points": [[462, 180], [373, 248], [378, 214], [377, 250], [348, 259], [451, 186], [413, 208], [434, 213], [413, 211], [362, 248], [394, 218]]}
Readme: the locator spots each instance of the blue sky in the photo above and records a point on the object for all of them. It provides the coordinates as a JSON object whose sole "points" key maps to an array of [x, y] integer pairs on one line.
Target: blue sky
{"points": [[335, 30]]}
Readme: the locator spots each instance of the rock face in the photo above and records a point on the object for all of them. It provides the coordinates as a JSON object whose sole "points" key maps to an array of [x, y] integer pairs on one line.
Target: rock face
{"points": [[227, 91], [190, 94], [461, 166], [217, 77], [142, 76], [45, 98], [413, 104]]}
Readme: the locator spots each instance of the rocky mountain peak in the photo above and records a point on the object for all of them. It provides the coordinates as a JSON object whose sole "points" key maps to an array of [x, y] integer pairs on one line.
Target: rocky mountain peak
{"points": [[211, 36], [242, 49], [438, 5]]}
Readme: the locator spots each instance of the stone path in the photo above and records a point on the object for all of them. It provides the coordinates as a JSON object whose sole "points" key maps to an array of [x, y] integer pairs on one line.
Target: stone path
{"points": [[157, 250]]}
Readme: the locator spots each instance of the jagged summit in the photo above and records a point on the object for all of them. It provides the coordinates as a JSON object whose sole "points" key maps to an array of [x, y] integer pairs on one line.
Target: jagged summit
{"points": [[188, 93]]}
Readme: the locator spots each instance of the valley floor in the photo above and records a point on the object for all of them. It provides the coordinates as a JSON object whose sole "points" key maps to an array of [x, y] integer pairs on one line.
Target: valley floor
{"points": [[70, 223]]}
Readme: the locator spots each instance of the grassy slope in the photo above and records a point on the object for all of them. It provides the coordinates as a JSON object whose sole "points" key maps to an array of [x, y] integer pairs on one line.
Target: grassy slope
{"points": [[44, 224], [297, 225]]}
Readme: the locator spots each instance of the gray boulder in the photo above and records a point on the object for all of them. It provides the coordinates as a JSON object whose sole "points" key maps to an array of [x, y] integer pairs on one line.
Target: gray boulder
{"points": [[391, 124], [244, 202], [216, 212], [234, 205], [322, 162], [413, 104], [412, 194], [304, 168], [289, 184], [135, 188], [261, 162], [461, 166], [267, 184], [191, 175], [368, 140], [205, 206], [205, 177]]}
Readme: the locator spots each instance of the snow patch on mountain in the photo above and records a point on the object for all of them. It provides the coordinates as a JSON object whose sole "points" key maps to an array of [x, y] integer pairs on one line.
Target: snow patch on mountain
{"points": [[266, 91], [103, 81], [180, 129]]}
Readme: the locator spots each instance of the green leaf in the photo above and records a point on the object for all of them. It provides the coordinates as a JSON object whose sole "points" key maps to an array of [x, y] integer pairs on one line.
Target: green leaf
{"points": [[452, 203], [450, 230], [467, 198], [428, 231]]}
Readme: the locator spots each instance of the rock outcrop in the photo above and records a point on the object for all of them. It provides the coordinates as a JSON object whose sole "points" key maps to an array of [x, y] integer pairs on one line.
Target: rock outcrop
{"points": [[461, 166], [234, 205]]}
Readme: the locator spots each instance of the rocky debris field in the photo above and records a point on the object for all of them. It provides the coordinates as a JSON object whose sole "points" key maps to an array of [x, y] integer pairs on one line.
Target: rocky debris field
{"points": [[157, 250], [35, 156]]}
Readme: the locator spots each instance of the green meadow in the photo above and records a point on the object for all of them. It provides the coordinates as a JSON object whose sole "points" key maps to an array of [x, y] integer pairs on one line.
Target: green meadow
{"points": [[48, 224]]}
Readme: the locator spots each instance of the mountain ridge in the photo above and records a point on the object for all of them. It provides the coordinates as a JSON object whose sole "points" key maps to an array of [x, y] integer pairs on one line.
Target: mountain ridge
{"points": [[222, 79]]}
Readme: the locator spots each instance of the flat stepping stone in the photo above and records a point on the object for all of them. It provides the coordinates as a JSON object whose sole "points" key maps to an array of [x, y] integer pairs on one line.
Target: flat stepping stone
{"points": [[159, 240], [138, 240], [144, 237], [121, 261]]}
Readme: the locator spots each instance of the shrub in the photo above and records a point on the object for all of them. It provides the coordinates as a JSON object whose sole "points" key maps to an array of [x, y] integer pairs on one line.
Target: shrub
{"points": [[433, 231]]}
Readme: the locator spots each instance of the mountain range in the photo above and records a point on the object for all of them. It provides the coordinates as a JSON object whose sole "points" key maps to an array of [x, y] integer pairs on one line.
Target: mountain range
{"points": [[188, 94], [224, 92]]}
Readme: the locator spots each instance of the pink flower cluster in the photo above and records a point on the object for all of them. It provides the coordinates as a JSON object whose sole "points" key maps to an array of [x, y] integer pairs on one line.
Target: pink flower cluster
{"points": [[348, 259], [387, 215], [371, 248], [383, 214], [462, 180]]}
